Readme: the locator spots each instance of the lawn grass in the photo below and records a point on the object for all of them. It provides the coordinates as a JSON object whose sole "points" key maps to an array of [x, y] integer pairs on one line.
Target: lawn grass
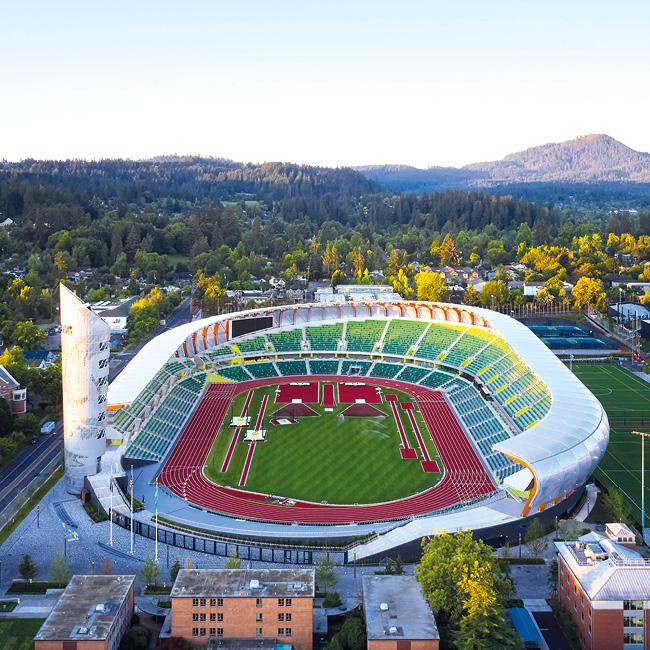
{"points": [[626, 399], [326, 458], [18, 633]]}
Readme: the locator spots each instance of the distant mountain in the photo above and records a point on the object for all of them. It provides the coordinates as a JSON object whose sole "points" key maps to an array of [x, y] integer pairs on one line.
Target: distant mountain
{"points": [[595, 158]]}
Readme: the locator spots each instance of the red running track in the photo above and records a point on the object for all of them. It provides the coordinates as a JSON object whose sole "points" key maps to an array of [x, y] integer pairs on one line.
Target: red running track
{"points": [[464, 477], [235, 435], [328, 396], [251, 448]]}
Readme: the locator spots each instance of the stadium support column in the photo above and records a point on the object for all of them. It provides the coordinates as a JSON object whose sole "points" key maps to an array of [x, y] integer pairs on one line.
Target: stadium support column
{"points": [[84, 359]]}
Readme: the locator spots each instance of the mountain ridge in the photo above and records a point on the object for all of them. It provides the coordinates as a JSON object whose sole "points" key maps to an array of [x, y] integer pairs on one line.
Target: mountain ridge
{"points": [[592, 158]]}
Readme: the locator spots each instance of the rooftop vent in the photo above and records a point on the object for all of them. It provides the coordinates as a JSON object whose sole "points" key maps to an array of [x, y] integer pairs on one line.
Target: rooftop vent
{"points": [[392, 630], [99, 607], [383, 607], [255, 584]]}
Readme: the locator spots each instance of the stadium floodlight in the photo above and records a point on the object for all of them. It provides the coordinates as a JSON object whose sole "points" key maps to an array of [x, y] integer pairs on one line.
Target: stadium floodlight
{"points": [[643, 435]]}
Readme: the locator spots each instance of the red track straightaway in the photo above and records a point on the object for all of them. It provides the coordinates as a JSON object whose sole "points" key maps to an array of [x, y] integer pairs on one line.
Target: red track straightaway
{"points": [[464, 476]]}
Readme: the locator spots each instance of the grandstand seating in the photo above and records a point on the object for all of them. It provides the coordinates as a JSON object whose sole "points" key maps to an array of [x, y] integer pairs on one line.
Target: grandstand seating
{"points": [[167, 420], [386, 370], [363, 365], [484, 427], [261, 370], [292, 367], [248, 346], [437, 340], [234, 372], [325, 337], [436, 379], [402, 335], [216, 353], [287, 340], [412, 374], [323, 366], [362, 335]]}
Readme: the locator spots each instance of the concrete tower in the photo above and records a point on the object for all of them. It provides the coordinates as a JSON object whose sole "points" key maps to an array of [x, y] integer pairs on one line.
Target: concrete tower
{"points": [[84, 358]]}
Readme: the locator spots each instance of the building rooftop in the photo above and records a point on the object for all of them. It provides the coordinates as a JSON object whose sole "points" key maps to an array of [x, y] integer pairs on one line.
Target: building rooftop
{"points": [[86, 609], [607, 570], [394, 609], [246, 583], [6, 378], [356, 292], [113, 308]]}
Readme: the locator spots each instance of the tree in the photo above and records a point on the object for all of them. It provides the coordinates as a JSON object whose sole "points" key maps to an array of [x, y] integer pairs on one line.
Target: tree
{"points": [[27, 335], [233, 562], [27, 568], [459, 576], [494, 293], [614, 502], [430, 286], [59, 572], [174, 569], [401, 284], [448, 251], [137, 638], [331, 260], [325, 576], [150, 571], [472, 297], [570, 529], [589, 293], [536, 541], [338, 277], [6, 418]]}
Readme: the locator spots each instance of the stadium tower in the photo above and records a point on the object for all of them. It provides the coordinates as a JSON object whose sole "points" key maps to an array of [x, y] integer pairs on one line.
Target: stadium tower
{"points": [[84, 357]]}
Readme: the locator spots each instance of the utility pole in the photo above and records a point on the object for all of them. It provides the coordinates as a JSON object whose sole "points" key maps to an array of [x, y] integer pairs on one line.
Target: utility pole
{"points": [[643, 436]]}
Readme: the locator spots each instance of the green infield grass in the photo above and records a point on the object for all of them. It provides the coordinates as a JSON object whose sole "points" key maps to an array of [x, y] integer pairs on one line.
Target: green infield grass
{"points": [[325, 458], [626, 399]]}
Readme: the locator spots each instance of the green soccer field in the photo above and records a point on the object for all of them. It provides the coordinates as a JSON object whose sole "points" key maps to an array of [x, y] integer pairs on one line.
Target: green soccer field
{"points": [[326, 458], [626, 398]]}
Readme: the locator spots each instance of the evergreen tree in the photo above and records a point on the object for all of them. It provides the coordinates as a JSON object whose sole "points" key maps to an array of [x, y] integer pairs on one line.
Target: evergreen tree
{"points": [[59, 572], [27, 568]]}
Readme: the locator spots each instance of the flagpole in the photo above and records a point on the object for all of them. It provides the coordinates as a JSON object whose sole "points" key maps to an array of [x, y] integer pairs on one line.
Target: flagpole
{"points": [[131, 509], [156, 547]]}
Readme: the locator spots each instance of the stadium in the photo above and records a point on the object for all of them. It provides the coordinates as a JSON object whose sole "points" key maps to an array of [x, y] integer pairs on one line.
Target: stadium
{"points": [[364, 424]]}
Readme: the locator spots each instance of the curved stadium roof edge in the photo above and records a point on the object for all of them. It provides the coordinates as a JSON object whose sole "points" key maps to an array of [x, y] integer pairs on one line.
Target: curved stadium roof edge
{"points": [[561, 450]]}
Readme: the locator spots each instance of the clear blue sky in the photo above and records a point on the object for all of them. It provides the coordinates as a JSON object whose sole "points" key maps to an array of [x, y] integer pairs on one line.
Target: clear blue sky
{"points": [[320, 81]]}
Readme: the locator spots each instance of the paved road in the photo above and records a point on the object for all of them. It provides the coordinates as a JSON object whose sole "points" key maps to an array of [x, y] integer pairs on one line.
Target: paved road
{"points": [[20, 471]]}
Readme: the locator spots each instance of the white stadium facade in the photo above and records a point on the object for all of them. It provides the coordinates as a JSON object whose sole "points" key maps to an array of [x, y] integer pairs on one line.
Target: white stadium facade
{"points": [[535, 428]]}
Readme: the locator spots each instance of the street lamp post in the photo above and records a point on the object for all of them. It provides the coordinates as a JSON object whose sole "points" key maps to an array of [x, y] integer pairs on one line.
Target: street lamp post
{"points": [[643, 435]]}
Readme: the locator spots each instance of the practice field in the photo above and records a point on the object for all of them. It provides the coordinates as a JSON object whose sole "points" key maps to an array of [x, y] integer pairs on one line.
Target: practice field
{"points": [[333, 447], [626, 399]]}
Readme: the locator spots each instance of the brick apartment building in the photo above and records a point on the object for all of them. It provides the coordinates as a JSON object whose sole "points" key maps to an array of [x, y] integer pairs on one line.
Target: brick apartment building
{"points": [[12, 393], [397, 615], [604, 583], [260, 606], [93, 613]]}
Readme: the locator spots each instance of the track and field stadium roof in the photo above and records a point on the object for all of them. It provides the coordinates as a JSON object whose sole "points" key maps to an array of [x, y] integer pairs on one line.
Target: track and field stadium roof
{"points": [[561, 450]]}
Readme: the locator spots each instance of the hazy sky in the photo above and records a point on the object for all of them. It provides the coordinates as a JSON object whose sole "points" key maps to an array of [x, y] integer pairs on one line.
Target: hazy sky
{"points": [[320, 81]]}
